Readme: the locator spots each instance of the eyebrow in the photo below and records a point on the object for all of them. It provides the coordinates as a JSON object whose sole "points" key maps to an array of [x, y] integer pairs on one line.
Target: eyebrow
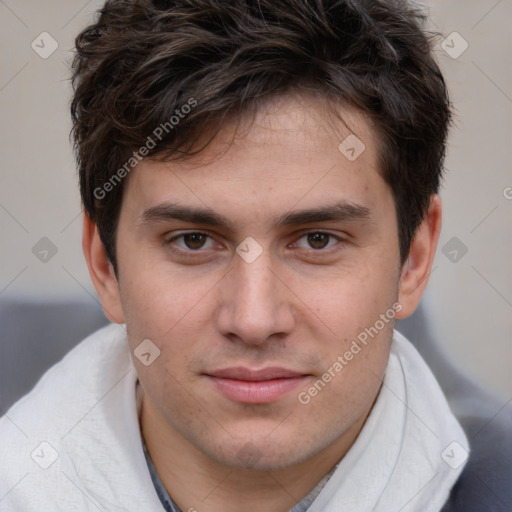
{"points": [[341, 211]]}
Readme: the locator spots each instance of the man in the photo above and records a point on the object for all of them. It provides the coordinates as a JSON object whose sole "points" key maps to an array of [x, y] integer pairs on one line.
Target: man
{"points": [[260, 183]]}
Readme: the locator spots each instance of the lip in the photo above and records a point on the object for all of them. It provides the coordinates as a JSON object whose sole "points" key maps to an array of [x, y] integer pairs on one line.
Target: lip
{"points": [[249, 386]]}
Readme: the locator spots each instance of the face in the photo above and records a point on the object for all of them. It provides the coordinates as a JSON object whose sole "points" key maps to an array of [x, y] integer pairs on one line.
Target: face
{"points": [[253, 268]]}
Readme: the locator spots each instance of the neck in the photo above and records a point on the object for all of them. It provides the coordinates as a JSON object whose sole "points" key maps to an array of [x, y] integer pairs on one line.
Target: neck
{"points": [[197, 482]]}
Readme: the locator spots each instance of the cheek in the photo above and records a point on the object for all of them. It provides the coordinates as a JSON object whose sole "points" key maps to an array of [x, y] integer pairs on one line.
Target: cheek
{"points": [[173, 321], [157, 300], [355, 347], [351, 300]]}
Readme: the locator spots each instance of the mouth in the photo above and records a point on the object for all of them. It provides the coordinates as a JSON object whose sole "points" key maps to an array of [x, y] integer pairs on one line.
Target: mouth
{"points": [[263, 386]]}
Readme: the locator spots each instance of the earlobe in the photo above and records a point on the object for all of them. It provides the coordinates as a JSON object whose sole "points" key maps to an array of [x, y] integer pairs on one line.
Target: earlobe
{"points": [[416, 270], [102, 272]]}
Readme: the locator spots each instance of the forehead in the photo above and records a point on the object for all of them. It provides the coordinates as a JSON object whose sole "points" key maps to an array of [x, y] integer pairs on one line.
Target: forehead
{"points": [[295, 149]]}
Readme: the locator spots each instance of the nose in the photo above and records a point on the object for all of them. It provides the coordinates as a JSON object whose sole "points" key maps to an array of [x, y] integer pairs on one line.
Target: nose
{"points": [[255, 304]]}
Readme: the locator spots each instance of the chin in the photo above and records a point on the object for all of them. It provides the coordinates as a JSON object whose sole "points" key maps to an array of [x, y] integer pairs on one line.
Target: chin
{"points": [[259, 455]]}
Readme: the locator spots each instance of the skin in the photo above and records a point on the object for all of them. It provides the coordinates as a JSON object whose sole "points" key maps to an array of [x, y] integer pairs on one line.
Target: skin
{"points": [[296, 306]]}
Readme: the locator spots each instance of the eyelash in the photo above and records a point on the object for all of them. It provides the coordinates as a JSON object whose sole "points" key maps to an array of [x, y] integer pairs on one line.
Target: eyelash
{"points": [[170, 242]]}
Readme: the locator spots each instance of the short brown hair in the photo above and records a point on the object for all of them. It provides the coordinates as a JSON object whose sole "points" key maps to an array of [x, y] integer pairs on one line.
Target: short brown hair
{"points": [[143, 60]]}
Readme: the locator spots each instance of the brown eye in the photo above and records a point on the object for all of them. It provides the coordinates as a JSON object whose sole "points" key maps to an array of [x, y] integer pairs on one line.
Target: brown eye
{"points": [[318, 240], [194, 240], [193, 248]]}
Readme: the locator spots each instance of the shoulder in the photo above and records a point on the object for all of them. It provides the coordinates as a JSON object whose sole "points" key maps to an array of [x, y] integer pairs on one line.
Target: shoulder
{"points": [[81, 374], [37, 432], [486, 482]]}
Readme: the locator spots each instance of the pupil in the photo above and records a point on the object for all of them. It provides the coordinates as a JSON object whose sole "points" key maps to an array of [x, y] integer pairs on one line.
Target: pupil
{"points": [[194, 240], [318, 240]]}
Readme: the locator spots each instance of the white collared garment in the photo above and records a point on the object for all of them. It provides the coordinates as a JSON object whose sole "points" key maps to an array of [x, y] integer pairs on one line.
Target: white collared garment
{"points": [[73, 443], [410, 451]]}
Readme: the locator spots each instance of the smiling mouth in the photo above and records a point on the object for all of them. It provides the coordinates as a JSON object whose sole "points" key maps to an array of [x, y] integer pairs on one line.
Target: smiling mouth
{"points": [[247, 386]]}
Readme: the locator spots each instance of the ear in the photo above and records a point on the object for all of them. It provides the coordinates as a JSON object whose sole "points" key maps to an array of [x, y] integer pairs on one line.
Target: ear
{"points": [[417, 268], [101, 272]]}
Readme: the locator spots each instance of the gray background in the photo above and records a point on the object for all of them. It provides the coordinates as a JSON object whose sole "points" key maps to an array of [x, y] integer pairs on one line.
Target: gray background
{"points": [[469, 295]]}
